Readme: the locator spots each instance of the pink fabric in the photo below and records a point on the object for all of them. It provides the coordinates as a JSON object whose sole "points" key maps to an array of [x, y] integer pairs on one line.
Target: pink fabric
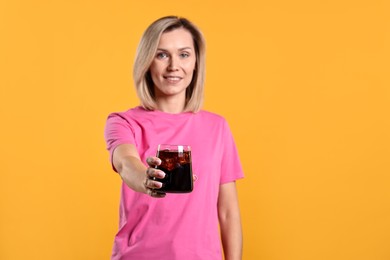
{"points": [[179, 226]]}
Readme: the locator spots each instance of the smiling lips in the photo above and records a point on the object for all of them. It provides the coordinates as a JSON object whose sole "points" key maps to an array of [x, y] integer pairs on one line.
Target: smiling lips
{"points": [[172, 79]]}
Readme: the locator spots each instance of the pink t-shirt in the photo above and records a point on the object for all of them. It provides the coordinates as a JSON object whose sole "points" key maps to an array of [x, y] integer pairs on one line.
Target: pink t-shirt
{"points": [[179, 226]]}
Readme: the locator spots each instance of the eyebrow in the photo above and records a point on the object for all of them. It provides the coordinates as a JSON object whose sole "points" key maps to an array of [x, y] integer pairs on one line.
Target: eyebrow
{"points": [[181, 49]]}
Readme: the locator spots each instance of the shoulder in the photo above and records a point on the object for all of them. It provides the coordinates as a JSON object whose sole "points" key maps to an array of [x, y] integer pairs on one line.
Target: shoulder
{"points": [[125, 119], [127, 114], [211, 120], [207, 115]]}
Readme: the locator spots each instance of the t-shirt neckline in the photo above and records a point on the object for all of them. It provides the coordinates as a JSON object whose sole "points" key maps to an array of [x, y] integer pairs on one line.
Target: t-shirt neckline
{"points": [[166, 114]]}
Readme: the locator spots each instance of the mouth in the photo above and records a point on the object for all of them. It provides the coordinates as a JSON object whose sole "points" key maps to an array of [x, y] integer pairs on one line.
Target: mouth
{"points": [[172, 79]]}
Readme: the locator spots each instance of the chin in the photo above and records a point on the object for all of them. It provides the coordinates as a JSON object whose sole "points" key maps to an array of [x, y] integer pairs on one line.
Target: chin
{"points": [[172, 90]]}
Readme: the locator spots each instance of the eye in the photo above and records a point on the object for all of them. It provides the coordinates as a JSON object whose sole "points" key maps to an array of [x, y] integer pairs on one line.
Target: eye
{"points": [[184, 55], [161, 55]]}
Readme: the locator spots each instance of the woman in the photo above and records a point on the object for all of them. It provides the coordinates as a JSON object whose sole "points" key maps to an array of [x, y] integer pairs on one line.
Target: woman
{"points": [[169, 75]]}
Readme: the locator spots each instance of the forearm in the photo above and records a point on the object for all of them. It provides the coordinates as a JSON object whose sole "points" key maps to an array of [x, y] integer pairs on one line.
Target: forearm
{"points": [[231, 235], [132, 172], [230, 221]]}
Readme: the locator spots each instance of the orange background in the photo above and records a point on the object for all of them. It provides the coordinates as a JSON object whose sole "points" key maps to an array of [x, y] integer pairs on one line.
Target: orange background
{"points": [[303, 84]]}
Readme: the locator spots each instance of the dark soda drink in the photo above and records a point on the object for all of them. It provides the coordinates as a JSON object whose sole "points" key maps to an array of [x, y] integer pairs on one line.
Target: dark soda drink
{"points": [[177, 165]]}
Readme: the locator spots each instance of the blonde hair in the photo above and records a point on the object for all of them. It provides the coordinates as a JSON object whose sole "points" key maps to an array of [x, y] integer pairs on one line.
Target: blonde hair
{"points": [[146, 52]]}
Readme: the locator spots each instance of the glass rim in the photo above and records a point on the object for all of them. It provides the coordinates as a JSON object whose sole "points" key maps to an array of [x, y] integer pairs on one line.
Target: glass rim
{"points": [[175, 147]]}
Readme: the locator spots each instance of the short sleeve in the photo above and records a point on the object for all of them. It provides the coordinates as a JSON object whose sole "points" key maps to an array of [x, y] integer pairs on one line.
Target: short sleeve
{"points": [[118, 131], [231, 168]]}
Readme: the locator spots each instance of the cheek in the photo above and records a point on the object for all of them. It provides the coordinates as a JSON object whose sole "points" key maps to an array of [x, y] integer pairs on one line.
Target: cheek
{"points": [[153, 68], [154, 76], [155, 71], [191, 73], [190, 67]]}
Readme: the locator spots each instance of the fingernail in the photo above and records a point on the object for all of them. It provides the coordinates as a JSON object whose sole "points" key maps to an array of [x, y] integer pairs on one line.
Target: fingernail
{"points": [[161, 174]]}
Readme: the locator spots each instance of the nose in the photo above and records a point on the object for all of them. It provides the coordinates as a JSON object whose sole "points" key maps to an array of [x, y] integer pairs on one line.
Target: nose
{"points": [[173, 64]]}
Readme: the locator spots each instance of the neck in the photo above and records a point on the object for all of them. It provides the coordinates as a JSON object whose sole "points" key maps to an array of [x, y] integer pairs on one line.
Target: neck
{"points": [[170, 106]]}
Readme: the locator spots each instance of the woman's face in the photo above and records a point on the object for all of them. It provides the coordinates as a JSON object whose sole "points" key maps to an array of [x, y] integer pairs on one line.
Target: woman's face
{"points": [[173, 66]]}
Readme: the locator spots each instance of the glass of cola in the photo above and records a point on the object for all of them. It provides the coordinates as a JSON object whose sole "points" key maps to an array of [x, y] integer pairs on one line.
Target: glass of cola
{"points": [[177, 165]]}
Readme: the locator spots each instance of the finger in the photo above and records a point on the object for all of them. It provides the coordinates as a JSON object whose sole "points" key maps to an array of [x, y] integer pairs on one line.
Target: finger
{"points": [[152, 192], [151, 184], [194, 177], [157, 194], [149, 191], [153, 161], [155, 173]]}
